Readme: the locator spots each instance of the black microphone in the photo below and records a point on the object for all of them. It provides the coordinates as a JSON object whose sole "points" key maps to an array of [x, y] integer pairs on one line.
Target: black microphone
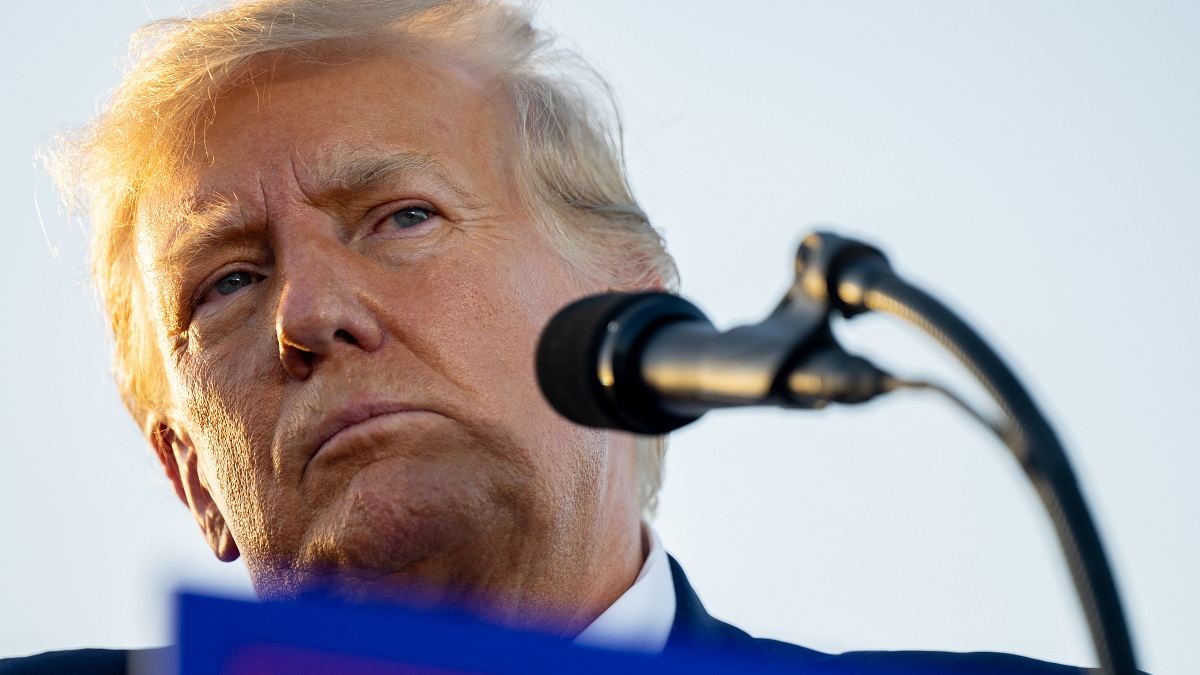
{"points": [[652, 362]]}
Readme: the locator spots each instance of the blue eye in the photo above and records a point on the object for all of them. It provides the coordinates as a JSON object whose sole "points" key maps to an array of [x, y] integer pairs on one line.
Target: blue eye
{"points": [[232, 283], [411, 217]]}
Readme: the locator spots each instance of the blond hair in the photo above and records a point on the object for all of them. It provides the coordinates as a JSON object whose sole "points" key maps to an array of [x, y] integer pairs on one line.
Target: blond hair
{"points": [[571, 163]]}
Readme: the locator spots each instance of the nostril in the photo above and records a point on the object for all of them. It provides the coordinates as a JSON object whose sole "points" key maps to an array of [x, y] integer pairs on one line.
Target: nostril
{"points": [[344, 336]]}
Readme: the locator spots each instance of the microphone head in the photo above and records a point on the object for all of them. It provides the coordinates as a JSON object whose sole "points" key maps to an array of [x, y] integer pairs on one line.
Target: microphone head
{"points": [[589, 360]]}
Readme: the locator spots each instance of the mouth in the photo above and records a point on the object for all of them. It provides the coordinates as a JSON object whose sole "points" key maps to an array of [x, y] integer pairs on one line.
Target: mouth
{"points": [[348, 418]]}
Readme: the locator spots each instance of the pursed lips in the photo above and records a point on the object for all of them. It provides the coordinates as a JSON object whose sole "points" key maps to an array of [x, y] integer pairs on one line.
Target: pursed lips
{"points": [[351, 416]]}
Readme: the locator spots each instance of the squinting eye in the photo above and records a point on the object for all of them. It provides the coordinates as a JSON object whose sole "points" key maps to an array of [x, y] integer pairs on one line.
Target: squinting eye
{"points": [[411, 217], [232, 283]]}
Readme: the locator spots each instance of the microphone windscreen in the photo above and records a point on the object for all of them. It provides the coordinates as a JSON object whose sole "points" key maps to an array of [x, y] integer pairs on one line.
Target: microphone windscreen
{"points": [[588, 360]]}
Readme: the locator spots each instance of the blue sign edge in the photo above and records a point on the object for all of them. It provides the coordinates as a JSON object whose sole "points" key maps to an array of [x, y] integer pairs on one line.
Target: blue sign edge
{"points": [[211, 632]]}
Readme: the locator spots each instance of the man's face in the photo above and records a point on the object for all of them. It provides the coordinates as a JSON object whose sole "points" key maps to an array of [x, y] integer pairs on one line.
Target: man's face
{"points": [[348, 311]]}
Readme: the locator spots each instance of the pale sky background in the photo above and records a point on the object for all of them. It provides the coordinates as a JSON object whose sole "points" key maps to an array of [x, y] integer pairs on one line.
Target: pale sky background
{"points": [[1034, 164]]}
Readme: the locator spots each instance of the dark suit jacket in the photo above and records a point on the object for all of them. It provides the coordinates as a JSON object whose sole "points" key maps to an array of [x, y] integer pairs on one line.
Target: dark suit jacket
{"points": [[695, 631]]}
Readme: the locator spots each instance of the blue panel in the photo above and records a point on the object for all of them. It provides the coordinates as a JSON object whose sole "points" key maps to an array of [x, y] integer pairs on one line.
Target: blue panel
{"points": [[236, 637]]}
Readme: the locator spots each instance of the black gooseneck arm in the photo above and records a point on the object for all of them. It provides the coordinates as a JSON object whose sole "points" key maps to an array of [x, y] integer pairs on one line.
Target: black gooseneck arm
{"points": [[857, 278]]}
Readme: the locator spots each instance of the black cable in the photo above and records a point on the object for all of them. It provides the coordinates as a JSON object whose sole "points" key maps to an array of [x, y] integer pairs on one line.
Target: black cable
{"points": [[894, 383], [1032, 441]]}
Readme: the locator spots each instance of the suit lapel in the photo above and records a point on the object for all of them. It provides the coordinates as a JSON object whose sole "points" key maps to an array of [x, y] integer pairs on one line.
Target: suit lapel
{"points": [[695, 628]]}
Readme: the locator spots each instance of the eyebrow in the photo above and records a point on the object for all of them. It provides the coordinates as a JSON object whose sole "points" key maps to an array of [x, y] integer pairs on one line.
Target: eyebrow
{"points": [[340, 169], [200, 223], [208, 220]]}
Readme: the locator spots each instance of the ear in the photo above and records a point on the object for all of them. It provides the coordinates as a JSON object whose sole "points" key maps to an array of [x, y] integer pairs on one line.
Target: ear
{"points": [[177, 454]]}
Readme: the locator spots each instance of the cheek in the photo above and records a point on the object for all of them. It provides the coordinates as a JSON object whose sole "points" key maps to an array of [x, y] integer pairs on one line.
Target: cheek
{"points": [[476, 317], [489, 312], [507, 304], [230, 409]]}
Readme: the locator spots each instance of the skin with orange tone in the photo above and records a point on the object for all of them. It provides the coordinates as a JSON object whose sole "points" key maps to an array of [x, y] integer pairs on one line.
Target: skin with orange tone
{"points": [[348, 293]]}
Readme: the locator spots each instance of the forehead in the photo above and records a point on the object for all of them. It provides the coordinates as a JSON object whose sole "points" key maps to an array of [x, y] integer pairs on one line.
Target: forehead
{"points": [[403, 93], [303, 121]]}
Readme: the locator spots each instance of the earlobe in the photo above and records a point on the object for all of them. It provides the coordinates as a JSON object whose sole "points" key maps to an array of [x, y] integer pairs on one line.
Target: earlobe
{"points": [[220, 539], [177, 455]]}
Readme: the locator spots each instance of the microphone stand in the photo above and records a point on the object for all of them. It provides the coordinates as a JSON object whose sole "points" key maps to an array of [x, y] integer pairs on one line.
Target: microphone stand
{"points": [[655, 363], [852, 277]]}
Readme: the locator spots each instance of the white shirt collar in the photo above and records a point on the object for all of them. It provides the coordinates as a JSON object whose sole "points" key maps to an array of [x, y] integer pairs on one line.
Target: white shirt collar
{"points": [[641, 619]]}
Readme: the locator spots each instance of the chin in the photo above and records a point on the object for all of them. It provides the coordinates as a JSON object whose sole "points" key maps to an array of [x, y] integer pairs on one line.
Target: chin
{"points": [[397, 533]]}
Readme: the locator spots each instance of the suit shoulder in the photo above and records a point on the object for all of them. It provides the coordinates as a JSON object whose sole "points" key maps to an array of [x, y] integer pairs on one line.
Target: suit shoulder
{"points": [[697, 630], [97, 661], [941, 663]]}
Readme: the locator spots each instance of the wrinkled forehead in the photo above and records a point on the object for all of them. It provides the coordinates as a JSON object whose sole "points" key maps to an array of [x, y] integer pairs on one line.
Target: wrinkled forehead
{"points": [[334, 119]]}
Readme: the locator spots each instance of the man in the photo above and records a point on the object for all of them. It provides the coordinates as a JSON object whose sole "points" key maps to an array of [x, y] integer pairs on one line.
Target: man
{"points": [[327, 236]]}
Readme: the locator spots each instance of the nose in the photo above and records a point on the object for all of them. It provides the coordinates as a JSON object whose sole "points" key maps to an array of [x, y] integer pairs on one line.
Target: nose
{"points": [[322, 311]]}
